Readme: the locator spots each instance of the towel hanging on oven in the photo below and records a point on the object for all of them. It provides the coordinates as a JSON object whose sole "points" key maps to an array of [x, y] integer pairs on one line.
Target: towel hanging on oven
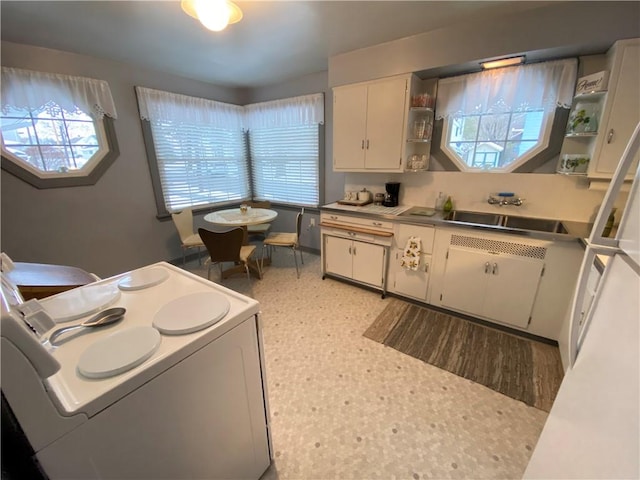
{"points": [[411, 256]]}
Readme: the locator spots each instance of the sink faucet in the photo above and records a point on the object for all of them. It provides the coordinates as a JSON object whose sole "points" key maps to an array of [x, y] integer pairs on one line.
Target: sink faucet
{"points": [[505, 199]]}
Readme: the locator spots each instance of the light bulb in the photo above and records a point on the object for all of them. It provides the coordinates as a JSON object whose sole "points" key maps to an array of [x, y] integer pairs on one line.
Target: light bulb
{"points": [[213, 14]]}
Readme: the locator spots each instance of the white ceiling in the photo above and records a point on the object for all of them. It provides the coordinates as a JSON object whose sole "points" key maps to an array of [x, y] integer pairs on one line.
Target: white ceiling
{"points": [[275, 41]]}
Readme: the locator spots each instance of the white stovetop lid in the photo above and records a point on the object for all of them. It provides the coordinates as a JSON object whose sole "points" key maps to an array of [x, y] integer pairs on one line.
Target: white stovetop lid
{"points": [[119, 352], [80, 302], [143, 278], [191, 313]]}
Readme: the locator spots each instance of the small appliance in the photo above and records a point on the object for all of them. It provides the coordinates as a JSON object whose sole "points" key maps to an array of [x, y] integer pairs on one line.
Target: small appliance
{"points": [[393, 192]]}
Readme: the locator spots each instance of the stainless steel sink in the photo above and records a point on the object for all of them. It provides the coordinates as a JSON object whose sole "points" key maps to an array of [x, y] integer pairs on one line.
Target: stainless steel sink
{"points": [[506, 221], [536, 224], [474, 217]]}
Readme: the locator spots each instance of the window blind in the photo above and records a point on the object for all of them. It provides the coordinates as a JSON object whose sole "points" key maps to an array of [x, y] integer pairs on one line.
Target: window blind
{"points": [[200, 149], [199, 164], [285, 164]]}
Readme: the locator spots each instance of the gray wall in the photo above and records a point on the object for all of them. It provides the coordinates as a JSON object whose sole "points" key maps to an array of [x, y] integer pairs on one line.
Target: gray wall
{"points": [[109, 227], [559, 29]]}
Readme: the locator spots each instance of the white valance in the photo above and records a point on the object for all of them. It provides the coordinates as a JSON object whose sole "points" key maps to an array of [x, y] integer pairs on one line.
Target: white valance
{"points": [[537, 86], [30, 90], [289, 112], [157, 106]]}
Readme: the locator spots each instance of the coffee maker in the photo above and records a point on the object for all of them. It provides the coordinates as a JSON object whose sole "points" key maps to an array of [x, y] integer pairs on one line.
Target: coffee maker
{"points": [[393, 192]]}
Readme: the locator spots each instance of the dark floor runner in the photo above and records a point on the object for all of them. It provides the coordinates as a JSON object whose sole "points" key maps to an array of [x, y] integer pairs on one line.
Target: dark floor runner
{"points": [[527, 370]]}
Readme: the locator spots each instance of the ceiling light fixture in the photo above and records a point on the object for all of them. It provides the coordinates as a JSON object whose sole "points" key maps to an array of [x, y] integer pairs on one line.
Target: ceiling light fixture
{"points": [[213, 14], [503, 62]]}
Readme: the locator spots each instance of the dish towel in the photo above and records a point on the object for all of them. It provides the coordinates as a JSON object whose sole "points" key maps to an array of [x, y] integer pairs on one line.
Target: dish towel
{"points": [[411, 257]]}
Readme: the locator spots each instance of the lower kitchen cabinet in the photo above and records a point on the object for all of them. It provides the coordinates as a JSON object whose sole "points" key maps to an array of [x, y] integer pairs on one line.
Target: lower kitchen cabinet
{"points": [[412, 283], [498, 286], [407, 282], [360, 261]]}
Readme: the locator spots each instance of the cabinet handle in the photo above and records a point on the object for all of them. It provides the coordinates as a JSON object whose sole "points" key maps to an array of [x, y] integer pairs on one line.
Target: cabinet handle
{"points": [[610, 136], [426, 268], [495, 269], [349, 250], [362, 146], [354, 250], [333, 217], [367, 144], [487, 266], [351, 234], [377, 224]]}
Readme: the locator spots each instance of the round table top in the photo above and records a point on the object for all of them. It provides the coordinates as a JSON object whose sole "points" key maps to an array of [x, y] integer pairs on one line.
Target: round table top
{"points": [[234, 217]]}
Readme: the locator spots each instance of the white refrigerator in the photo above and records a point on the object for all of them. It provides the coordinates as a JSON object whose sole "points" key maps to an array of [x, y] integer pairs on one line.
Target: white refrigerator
{"points": [[593, 428]]}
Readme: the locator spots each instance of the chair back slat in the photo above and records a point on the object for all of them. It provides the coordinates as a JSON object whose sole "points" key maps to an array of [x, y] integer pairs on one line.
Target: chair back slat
{"points": [[223, 246], [184, 223]]}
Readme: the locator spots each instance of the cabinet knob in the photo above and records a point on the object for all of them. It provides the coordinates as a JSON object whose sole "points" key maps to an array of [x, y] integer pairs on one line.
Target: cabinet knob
{"points": [[610, 136], [426, 268], [487, 267], [495, 269]]}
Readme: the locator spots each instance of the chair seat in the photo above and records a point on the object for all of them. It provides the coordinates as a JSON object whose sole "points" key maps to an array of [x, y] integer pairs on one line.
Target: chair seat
{"points": [[246, 251], [281, 238], [193, 241], [260, 228]]}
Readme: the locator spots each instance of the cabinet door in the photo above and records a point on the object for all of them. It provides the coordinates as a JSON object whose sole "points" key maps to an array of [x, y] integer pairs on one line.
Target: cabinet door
{"points": [[386, 114], [412, 283], [623, 111], [349, 127], [368, 263], [511, 289], [465, 279], [337, 255]]}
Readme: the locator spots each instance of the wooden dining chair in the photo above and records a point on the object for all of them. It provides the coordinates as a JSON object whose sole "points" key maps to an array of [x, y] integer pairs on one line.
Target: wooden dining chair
{"points": [[227, 246], [286, 239], [184, 224], [262, 229]]}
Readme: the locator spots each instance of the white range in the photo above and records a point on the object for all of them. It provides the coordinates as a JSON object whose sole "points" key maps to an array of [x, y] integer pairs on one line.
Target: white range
{"points": [[174, 390]]}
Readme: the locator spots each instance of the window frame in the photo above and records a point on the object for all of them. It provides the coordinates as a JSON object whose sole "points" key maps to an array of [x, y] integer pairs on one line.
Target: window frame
{"points": [[156, 182], [319, 177], [88, 175], [544, 141]]}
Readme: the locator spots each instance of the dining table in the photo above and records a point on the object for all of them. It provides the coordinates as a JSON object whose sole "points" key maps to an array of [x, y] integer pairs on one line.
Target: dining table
{"points": [[242, 217]]}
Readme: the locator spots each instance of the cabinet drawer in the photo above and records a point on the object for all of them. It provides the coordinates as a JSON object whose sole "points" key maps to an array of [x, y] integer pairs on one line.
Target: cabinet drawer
{"points": [[337, 232], [370, 223], [424, 233]]}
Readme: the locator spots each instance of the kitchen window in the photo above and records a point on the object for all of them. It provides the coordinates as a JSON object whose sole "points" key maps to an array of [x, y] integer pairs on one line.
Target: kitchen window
{"points": [[196, 149], [199, 157], [54, 129], [497, 120], [284, 138]]}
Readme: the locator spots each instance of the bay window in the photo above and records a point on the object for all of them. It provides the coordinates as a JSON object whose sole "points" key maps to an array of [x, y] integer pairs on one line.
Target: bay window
{"points": [[204, 153]]}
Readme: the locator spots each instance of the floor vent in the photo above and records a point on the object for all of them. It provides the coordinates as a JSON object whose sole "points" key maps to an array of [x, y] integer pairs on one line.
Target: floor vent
{"points": [[520, 249]]}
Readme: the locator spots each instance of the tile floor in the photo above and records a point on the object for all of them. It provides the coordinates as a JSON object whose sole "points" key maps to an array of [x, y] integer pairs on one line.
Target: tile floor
{"points": [[345, 407]]}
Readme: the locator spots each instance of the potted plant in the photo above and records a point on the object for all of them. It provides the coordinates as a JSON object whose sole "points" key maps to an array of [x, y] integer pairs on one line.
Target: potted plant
{"points": [[574, 163]]}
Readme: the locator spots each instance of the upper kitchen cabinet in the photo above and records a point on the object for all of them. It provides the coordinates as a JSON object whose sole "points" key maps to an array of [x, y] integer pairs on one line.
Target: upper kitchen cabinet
{"points": [[369, 125], [621, 111]]}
